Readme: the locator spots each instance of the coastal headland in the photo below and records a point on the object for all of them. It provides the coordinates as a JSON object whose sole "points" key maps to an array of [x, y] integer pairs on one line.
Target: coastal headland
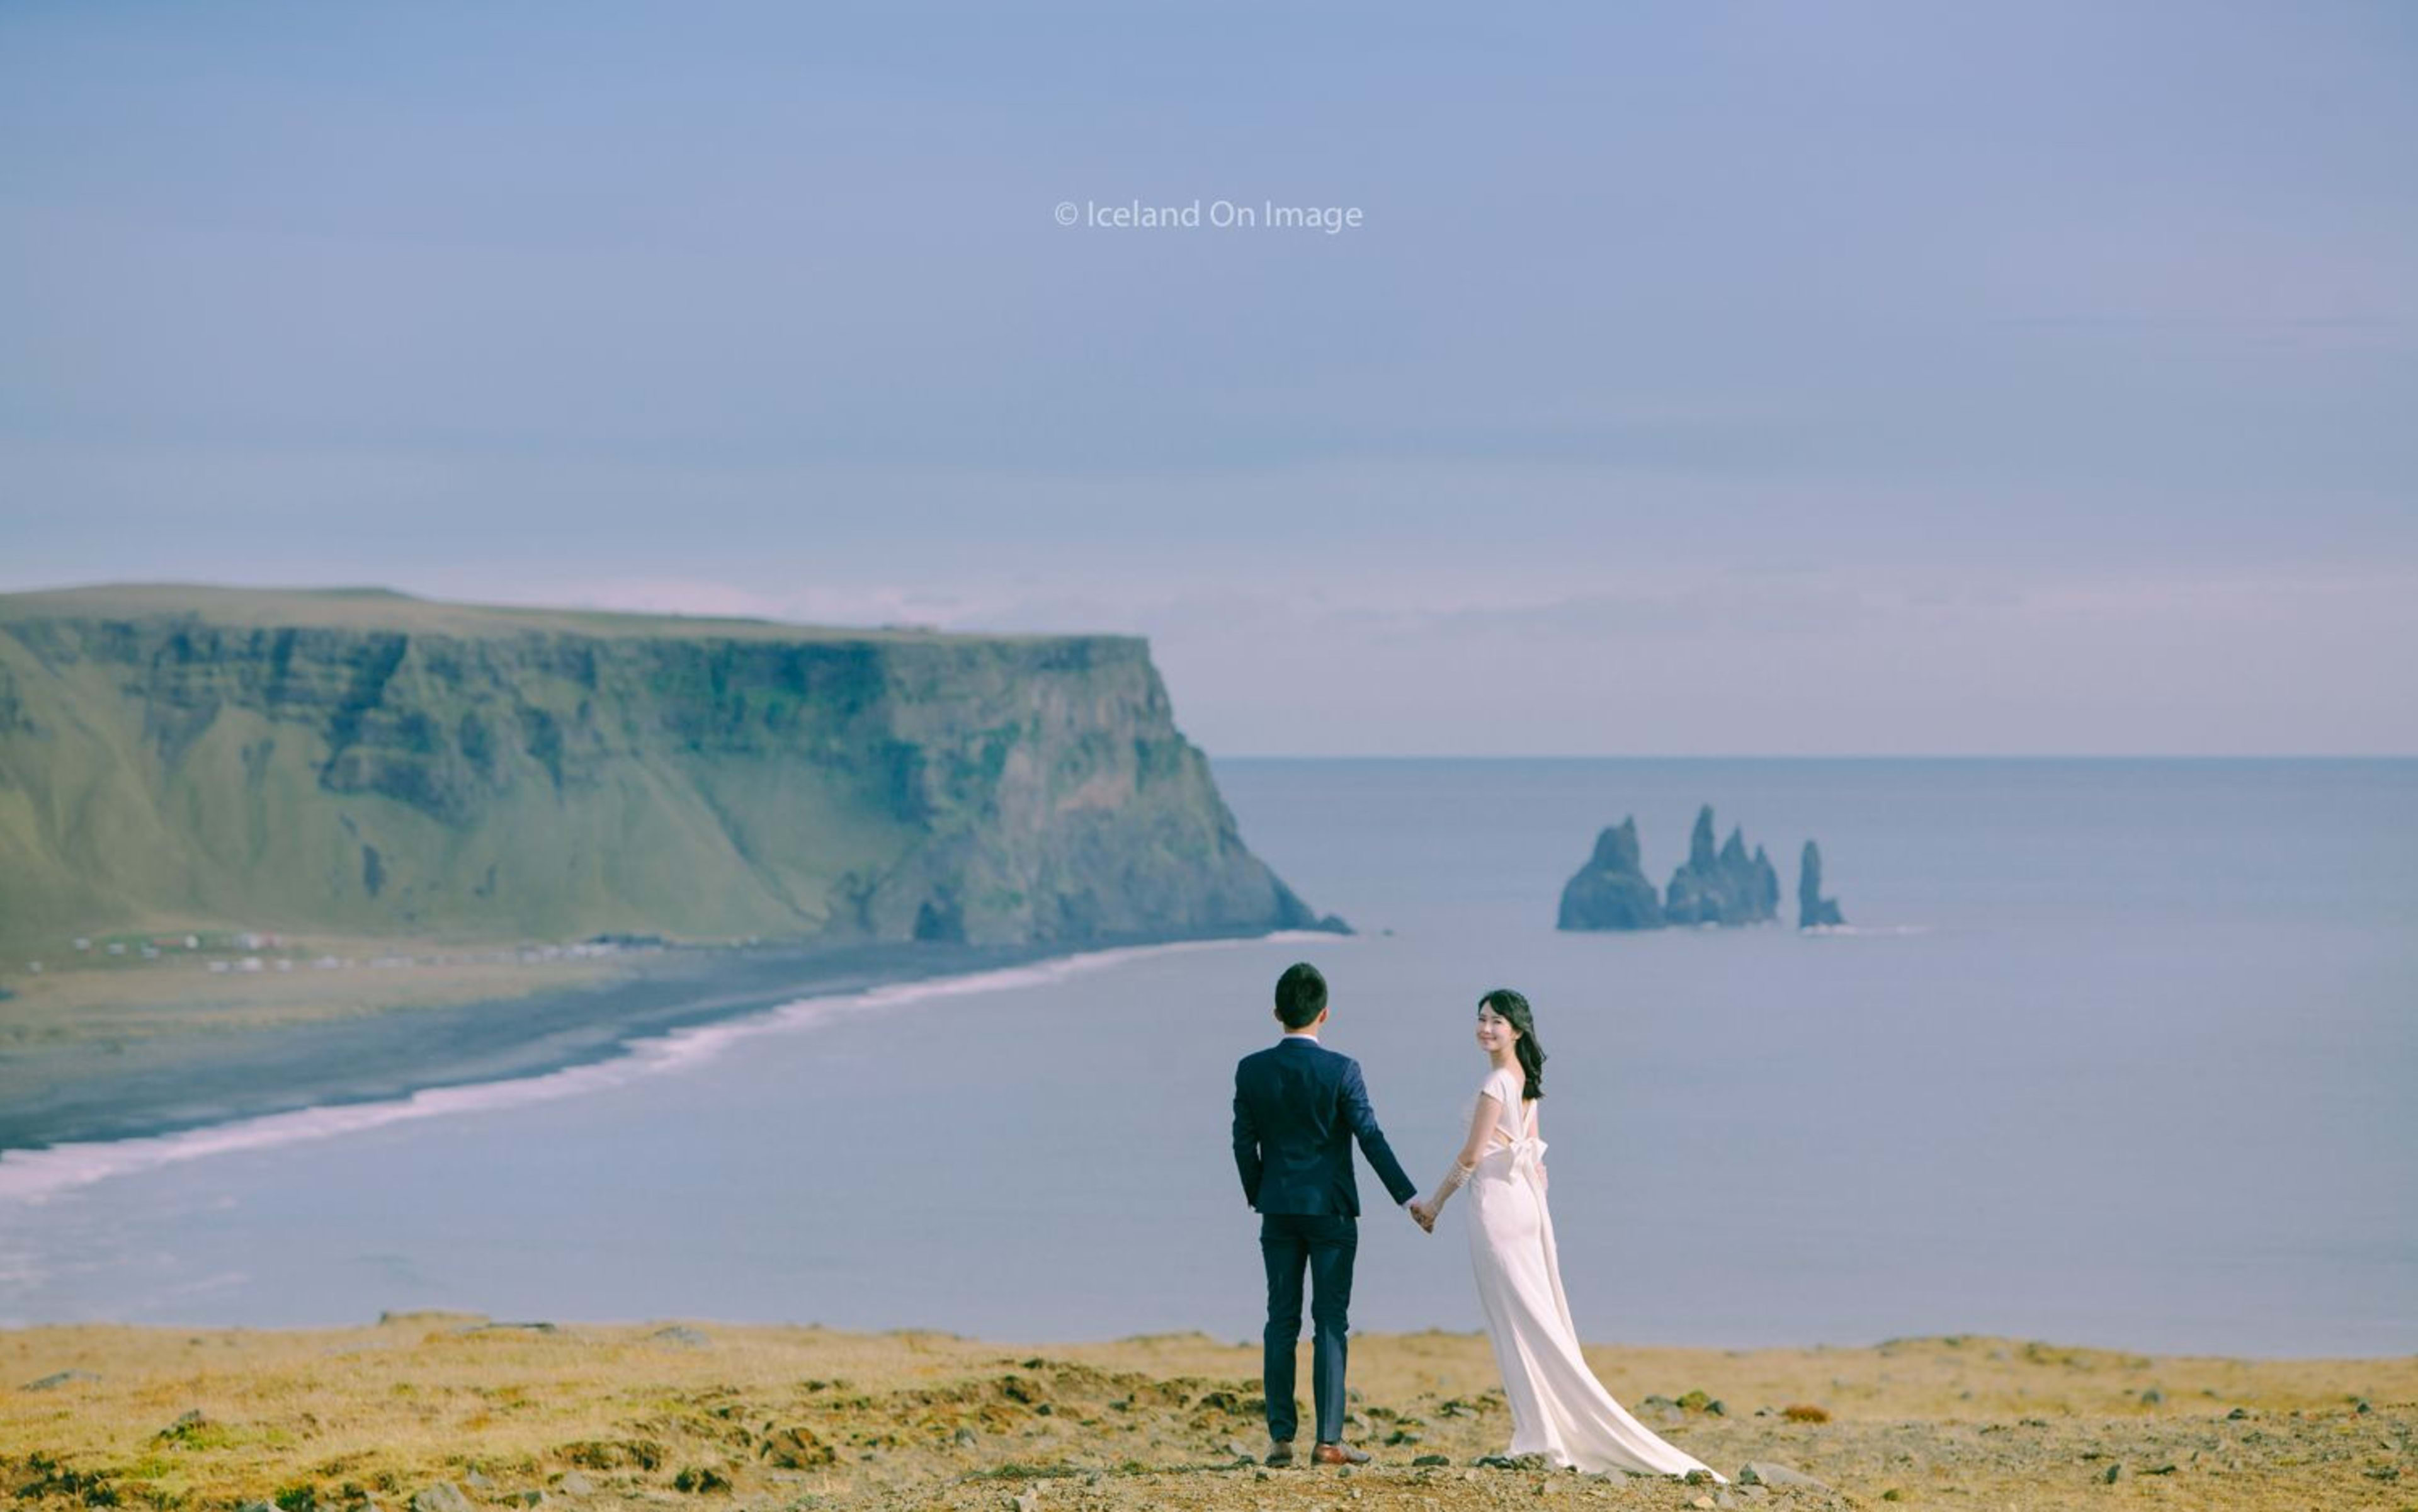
{"points": [[261, 850], [445, 1412]]}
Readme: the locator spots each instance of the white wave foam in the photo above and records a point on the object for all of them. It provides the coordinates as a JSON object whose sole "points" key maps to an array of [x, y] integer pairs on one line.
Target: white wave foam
{"points": [[33, 1176], [1867, 931]]}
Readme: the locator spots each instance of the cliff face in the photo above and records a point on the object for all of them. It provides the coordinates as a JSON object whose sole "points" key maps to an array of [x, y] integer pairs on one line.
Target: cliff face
{"points": [[368, 763]]}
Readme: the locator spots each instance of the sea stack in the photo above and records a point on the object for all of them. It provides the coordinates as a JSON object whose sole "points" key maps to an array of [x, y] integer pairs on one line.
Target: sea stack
{"points": [[1611, 891], [1813, 911], [1727, 887]]}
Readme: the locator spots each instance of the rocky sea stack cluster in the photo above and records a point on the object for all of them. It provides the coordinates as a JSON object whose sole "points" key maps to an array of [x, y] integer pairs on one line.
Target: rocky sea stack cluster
{"points": [[1721, 886]]}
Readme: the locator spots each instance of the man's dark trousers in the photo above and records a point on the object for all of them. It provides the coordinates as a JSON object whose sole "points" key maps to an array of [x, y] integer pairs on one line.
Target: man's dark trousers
{"points": [[1298, 1108], [1324, 1243]]}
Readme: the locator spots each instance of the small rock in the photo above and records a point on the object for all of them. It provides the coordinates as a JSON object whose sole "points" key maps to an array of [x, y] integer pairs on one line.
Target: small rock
{"points": [[442, 1497], [1432, 1460], [2236, 1414], [575, 1484], [1028, 1500], [966, 1436], [2153, 1397], [53, 1382], [176, 1429], [477, 1481], [1764, 1472], [1512, 1461], [1724, 1499], [1703, 1504]]}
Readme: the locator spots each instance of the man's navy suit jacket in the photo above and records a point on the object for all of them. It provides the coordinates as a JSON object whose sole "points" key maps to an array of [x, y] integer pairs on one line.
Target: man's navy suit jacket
{"points": [[1299, 1106]]}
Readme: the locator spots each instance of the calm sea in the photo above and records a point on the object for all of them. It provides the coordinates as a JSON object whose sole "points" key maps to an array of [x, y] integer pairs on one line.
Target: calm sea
{"points": [[2114, 1052]]}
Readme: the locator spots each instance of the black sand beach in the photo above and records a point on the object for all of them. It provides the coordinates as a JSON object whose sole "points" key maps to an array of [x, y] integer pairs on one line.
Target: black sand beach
{"points": [[171, 1082]]}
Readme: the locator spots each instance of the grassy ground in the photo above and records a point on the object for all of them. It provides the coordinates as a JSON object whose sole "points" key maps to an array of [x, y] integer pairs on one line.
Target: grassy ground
{"points": [[91, 997], [710, 1416]]}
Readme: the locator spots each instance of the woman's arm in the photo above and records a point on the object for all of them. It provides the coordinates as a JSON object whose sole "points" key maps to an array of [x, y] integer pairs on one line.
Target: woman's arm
{"points": [[1481, 1126]]}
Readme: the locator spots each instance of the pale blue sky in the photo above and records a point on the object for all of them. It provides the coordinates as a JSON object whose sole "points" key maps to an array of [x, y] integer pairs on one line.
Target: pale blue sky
{"points": [[1704, 377]]}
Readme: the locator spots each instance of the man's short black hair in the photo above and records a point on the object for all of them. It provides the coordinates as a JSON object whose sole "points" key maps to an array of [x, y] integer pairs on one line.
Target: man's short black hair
{"points": [[1300, 995]]}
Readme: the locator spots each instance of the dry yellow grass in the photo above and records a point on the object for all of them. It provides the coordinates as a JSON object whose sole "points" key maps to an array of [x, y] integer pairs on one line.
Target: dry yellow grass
{"points": [[642, 1416]]}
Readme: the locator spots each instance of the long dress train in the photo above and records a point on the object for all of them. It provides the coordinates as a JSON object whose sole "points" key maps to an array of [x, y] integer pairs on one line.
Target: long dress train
{"points": [[1558, 1408]]}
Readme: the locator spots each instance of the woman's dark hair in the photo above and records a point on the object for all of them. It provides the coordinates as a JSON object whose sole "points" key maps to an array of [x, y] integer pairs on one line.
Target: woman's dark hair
{"points": [[1513, 1009], [1300, 995]]}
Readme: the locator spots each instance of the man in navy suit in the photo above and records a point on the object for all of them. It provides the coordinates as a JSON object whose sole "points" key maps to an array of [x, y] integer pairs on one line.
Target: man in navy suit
{"points": [[1297, 1107]]}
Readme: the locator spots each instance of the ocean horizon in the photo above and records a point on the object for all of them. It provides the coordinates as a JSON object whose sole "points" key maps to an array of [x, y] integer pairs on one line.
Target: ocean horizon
{"points": [[2112, 1050]]}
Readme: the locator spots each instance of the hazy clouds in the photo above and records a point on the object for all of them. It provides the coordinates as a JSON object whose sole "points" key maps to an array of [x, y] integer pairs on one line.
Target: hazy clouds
{"points": [[1703, 378]]}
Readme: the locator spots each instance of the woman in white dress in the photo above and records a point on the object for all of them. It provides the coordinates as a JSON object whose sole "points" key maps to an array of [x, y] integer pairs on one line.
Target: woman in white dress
{"points": [[1558, 1408]]}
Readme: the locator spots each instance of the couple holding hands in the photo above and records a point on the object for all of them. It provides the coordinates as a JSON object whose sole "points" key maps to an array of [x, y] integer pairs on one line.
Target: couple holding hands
{"points": [[1298, 1107]]}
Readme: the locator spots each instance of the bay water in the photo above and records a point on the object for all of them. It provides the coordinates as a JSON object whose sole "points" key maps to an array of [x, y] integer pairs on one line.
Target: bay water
{"points": [[2113, 1052]]}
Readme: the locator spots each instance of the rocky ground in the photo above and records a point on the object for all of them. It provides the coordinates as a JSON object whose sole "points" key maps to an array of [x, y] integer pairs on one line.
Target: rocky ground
{"points": [[450, 1413]]}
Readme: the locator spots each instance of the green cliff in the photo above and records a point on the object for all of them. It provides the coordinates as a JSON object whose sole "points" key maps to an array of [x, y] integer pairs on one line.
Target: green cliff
{"points": [[365, 762]]}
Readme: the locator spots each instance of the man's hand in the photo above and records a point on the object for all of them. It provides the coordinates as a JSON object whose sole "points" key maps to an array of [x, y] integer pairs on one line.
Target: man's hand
{"points": [[1423, 1216]]}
